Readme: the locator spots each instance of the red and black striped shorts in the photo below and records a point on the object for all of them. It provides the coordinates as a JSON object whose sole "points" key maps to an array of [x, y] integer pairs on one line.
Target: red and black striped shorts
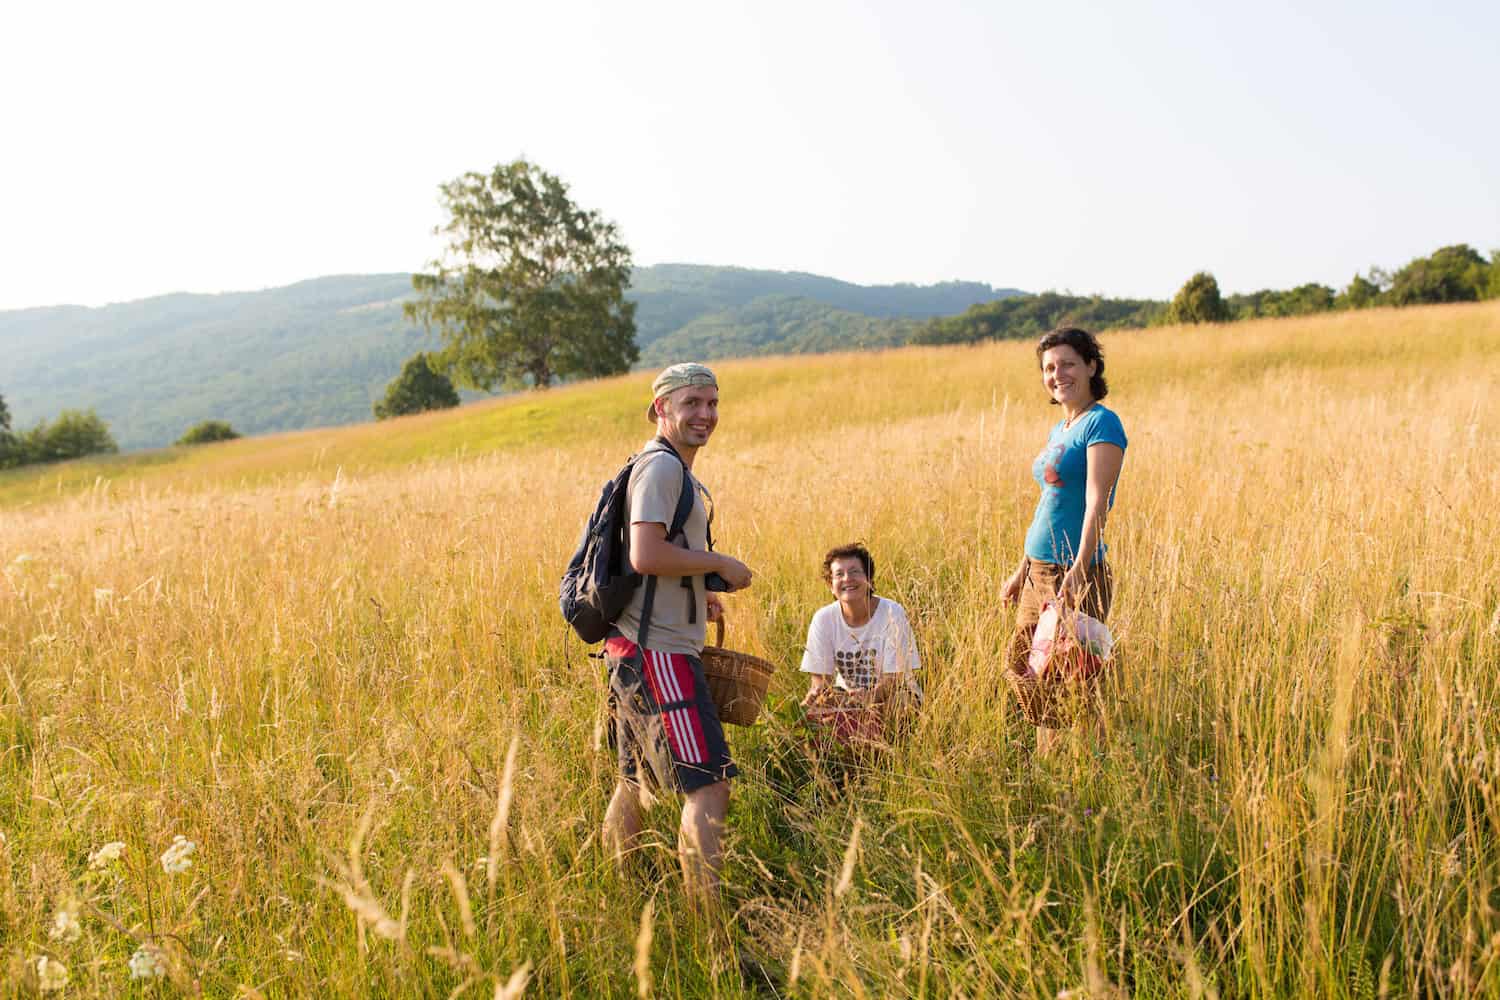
{"points": [[661, 715]]}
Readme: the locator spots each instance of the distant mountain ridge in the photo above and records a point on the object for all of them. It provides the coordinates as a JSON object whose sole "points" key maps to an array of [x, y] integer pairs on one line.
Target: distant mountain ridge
{"points": [[669, 296], [320, 352]]}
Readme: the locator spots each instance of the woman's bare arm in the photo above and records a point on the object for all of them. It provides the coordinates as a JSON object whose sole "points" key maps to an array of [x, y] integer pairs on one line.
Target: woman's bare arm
{"points": [[1104, 462]]}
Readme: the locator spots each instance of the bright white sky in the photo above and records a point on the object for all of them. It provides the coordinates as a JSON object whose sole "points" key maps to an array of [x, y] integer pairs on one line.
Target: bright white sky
{"points": [[154, 147]]}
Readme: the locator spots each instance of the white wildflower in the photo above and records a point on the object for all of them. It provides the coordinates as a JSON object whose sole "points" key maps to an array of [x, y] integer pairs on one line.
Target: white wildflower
{"points": [[110, 852], [51, 975], [177, 858], [65, 926], [20, 561], [147, 963]]}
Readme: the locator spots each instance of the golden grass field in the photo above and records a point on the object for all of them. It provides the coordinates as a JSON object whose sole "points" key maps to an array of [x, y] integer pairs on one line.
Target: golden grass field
{"points": [[333, 661]]}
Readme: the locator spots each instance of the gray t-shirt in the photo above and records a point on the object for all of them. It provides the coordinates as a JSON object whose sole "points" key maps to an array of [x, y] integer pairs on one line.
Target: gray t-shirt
{"points": [[655, 485]]}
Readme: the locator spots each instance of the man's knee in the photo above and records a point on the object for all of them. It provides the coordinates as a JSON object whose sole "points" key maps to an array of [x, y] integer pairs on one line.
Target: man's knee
{"points": [[712, 799]]}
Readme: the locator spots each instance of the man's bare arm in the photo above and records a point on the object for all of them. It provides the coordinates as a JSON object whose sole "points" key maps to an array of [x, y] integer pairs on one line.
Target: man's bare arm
{"points": [[651, 553]]}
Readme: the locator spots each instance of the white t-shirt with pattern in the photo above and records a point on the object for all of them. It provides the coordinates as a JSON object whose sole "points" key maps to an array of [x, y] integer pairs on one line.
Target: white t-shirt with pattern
{"points": [[856, 658]]}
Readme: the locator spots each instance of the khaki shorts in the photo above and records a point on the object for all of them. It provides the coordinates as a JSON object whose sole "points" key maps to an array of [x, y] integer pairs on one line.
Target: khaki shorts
{"points": [[1048, 704]]}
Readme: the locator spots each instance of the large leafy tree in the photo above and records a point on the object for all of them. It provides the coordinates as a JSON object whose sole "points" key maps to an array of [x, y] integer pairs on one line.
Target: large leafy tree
{"points": [[74, 434], [530, 288], [1451, 274], [416, 389], [1199, 301]]}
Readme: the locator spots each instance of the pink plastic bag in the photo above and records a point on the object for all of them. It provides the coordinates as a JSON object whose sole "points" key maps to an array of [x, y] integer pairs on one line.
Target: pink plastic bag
{"points": [[1072, 644], [837, 713]]}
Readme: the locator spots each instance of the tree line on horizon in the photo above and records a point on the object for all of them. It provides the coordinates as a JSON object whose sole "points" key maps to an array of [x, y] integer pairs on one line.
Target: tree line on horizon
{"points": [[470, 305], [73, 434], [531, 291], [78, 434], [1455, 273]]}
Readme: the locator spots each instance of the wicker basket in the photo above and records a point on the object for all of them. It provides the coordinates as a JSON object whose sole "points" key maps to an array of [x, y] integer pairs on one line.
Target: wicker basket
{"points": [[1054, 701], [737, 681]]}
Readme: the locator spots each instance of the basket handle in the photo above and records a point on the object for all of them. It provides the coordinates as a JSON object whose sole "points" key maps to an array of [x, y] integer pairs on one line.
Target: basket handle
{"points": [[719, 633]]}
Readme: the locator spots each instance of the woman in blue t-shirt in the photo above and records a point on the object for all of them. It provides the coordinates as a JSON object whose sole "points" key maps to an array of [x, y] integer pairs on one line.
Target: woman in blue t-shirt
{"points": [[1076, 471]]}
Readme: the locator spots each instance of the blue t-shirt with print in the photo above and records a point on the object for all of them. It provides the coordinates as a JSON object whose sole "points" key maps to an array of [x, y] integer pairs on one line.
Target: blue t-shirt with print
{"points": [[1061, 470]]}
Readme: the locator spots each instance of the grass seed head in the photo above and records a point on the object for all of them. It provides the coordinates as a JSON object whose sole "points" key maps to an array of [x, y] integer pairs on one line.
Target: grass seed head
{"points": [[643, 938], [851, 855], [514, 987]]}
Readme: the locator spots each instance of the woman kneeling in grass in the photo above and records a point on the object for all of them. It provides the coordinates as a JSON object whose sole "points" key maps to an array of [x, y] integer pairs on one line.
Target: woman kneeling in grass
{"points": [[860, 644]]}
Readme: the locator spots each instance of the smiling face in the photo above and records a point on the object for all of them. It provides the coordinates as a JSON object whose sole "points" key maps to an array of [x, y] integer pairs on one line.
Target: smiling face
{"points": [[688, 416], [848, 580], [1066, 376]]}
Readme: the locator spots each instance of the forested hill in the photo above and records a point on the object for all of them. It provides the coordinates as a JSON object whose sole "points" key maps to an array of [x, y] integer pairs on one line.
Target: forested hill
{"points": [[320, 352], [670, 296], [309, 354]]}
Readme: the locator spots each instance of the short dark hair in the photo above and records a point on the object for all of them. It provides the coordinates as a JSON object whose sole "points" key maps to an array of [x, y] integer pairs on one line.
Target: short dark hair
{"points": [[854, 550], [1087, 347]]}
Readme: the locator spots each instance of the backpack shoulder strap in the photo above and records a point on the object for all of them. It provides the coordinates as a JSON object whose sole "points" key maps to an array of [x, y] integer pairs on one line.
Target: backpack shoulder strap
{"points": [[684, 507], [685, 497], [675, 530]]}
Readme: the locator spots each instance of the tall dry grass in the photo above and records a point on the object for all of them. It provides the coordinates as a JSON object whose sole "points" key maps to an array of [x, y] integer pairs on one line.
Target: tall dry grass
{"points": [[350, 687]]}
